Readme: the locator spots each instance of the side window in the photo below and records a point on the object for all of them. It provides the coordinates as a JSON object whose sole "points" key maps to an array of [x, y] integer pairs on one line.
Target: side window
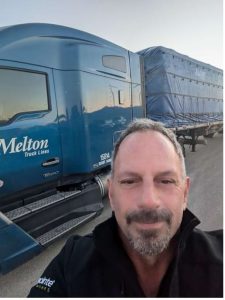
{"points": [[115, 62], [21, 92]]}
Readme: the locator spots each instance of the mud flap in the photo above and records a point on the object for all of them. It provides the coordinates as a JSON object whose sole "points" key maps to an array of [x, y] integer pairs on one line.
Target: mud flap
{"points": [[16, 245]]}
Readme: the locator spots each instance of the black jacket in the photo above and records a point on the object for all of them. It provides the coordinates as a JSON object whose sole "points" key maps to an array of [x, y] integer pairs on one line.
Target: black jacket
{"points": [[97, 266]]}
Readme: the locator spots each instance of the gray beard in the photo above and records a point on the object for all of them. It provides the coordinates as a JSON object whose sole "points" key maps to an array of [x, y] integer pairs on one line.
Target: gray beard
{"points": [[150, 243]]}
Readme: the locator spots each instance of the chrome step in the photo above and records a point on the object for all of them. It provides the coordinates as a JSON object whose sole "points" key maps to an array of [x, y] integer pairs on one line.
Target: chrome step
{"points": [[37, 205], [60, 230]]}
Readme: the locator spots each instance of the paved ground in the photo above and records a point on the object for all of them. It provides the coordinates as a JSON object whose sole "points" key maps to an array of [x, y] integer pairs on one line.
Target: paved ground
{"points": [[205, 167]]}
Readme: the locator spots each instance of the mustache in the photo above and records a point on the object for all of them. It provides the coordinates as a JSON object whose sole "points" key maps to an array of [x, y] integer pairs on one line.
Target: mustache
{"points": [[150, 216]]}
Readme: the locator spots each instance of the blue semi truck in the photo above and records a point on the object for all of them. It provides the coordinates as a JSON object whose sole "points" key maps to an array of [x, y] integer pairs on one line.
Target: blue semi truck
{"points": [[65, 96]]}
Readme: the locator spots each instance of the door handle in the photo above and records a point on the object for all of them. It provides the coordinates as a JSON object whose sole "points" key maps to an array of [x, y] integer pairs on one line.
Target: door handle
{"points": [[51, 162]]}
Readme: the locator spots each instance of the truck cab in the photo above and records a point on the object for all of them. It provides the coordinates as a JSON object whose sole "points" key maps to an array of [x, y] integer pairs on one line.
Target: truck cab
{"points": [[65, 96]]}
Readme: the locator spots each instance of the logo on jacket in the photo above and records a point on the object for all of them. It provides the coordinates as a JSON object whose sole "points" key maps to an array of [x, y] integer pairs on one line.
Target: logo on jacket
{"points": [[45, 284]]}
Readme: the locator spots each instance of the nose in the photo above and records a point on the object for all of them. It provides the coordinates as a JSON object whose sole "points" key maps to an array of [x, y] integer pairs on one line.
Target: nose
{"points": [[149, 197]]}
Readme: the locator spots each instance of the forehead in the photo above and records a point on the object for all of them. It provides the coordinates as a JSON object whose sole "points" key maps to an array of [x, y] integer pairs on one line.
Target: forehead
{"points": [[145, 149]]}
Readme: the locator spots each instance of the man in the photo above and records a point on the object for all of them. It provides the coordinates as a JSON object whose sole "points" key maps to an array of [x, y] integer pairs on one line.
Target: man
{"points": [[150, 246]]}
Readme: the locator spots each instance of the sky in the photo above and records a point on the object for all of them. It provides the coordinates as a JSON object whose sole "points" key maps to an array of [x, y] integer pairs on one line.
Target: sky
{"points": [[191, 27]]}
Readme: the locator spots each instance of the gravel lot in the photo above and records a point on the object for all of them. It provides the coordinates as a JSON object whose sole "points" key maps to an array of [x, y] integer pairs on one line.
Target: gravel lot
{"points": [[205, 168]]}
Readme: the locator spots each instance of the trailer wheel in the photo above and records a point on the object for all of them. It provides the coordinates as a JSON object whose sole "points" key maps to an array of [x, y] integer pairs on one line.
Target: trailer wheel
{"points": [[184, 150], [210, 135], [181, 141]]}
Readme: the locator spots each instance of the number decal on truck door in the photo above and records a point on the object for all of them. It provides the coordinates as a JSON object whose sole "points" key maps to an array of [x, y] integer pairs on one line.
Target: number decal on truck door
{"points": [[104, 158]]}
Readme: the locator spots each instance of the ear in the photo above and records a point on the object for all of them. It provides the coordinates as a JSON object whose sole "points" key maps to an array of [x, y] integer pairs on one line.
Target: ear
{"points": [[110, 191], [186, 191]]}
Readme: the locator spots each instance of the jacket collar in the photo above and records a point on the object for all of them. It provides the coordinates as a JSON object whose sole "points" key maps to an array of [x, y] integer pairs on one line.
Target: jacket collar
{"points": [[189, 222]]}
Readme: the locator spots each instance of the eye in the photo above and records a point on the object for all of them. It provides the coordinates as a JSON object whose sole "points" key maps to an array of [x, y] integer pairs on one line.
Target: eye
{"points": [[167, 181]]}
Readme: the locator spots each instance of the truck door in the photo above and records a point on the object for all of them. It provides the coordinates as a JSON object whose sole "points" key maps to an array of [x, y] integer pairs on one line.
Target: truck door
{"points": [[30, 155], [137, 85]]}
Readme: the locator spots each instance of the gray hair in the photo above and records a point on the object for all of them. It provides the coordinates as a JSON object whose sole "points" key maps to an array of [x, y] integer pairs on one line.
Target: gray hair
{"points": [[140, 125]]}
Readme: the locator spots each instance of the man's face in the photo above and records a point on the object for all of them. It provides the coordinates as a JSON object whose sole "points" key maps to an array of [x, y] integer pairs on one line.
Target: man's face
{"points": [[147, 191]]}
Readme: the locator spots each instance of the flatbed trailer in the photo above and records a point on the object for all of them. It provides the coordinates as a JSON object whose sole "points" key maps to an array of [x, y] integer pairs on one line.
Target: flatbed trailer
{"points": [[184, 94]]}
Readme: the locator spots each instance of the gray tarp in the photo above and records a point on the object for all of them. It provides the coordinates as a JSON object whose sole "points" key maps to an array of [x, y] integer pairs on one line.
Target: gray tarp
{"points": [[181, 90]]}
